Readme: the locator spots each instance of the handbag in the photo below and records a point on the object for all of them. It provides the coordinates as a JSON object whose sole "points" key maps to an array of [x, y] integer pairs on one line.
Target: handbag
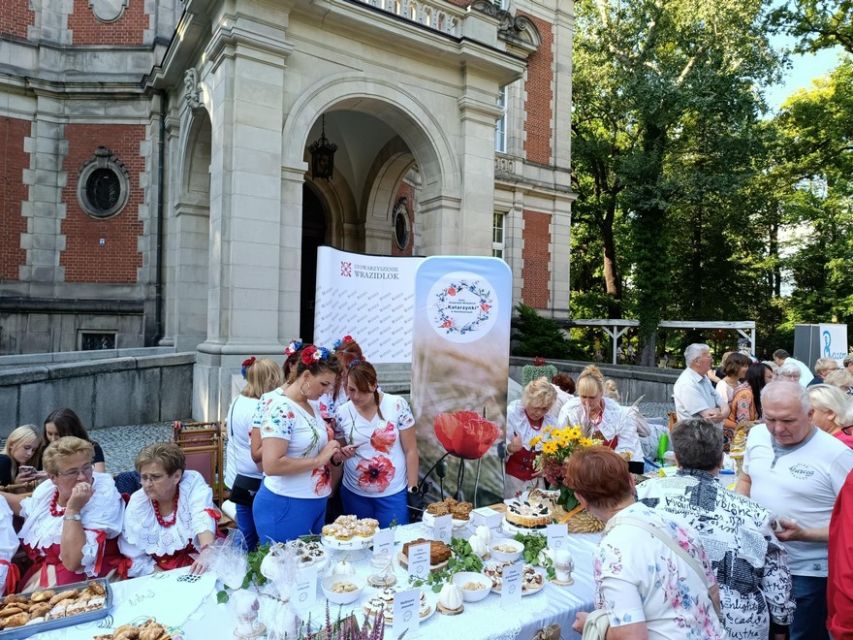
{"points": [[244, 489], [712, 588], [596, 625]]}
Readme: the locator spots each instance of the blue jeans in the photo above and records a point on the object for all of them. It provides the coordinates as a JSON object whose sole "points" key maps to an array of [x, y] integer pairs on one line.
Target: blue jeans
{"points": [[809, 593], [246, 525], [393, 508], [281, 518]]}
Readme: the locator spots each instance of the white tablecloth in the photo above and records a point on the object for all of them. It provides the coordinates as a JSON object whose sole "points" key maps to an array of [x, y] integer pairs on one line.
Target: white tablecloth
{"points": [[191, 606]]}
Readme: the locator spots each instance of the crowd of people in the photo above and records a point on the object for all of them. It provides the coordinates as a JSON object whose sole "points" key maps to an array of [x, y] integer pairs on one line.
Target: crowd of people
{"points": [[681, 556]]}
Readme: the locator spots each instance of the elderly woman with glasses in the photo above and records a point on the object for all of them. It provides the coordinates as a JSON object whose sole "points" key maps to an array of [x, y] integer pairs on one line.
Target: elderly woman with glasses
{"points": [[525, 419], [72, 520], [171, 518]]}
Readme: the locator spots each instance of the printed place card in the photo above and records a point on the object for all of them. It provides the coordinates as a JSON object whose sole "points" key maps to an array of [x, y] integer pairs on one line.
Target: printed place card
{"points": [[511, 584], [443, 528], [407, 607], [305, 587], [383, 542], [418, 561], [558, 536]]}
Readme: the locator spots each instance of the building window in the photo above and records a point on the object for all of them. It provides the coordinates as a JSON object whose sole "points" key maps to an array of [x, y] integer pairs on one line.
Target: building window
{"points": [[498, 234], [400, 219], [102, 185], [500, 127], [97, 340]]}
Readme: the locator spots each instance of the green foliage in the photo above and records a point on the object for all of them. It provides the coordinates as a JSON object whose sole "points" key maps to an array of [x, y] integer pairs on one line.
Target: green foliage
{"points": [[530, 372], [538, 336], [816, 24], [463, 559], [534, 544]]}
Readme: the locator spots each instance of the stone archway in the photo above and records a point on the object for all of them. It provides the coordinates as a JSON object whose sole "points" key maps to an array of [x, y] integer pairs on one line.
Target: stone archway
{"points": [[191, 231]]}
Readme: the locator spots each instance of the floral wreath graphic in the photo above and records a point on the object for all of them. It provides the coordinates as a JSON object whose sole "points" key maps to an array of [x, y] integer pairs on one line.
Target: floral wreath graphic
{"points": [[446, 322]]}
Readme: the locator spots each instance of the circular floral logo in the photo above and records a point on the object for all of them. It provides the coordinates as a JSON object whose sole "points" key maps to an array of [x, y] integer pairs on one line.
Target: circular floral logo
{"points": [[462, 307]]}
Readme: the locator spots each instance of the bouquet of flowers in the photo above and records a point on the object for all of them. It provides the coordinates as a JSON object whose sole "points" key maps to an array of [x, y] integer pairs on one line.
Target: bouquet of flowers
{"points": [[557, 445]]}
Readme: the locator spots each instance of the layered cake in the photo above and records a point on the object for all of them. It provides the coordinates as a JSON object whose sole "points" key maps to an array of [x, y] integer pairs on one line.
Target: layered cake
{"points": [[438, 551], [528, 513]]}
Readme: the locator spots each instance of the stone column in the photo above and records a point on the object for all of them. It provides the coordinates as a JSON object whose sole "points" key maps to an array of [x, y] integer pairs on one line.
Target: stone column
{"points": [[246, 80], [290, 259]]}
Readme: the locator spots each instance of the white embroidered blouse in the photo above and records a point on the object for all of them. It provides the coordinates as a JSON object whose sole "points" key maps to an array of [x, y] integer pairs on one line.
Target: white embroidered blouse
{"points": [[104, 512], [144, 537], [8, 541]]}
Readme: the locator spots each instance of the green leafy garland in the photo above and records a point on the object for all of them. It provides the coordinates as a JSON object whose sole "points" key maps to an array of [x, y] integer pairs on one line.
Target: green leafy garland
{"points": [[463, 559]]}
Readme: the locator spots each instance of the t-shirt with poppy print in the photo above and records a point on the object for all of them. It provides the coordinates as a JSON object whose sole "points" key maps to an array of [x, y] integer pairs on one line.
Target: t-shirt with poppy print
{"points": [[279, 417], [378, 468]]}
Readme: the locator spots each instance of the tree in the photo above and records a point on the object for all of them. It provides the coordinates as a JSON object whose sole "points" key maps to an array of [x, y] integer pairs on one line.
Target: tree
{"points": [[816, 24], [644, 70]]}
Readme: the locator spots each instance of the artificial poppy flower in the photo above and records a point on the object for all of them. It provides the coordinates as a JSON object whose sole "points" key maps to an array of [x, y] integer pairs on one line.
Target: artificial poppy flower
{"points": [[465, 434], [383, 438], [375, 474]]}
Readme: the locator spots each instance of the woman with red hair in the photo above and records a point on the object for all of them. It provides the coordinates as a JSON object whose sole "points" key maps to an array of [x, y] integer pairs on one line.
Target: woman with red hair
{"points": [[646, 568]]}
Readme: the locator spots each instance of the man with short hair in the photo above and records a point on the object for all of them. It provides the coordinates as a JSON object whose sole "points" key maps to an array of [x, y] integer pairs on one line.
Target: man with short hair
{"points": [[795, 470], [749, 562], [781, 357], [822, 368], [694, 395]]}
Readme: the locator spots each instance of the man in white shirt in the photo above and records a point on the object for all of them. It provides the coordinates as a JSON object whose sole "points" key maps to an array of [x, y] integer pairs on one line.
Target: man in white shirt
{"points": [[795, 470], [780, 357], [694, 395]]}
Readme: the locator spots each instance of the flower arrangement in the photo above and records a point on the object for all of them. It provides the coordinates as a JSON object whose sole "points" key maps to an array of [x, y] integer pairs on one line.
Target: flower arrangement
{"points": [[557, 446], [292, 348], [244, 366], [313, 354]]}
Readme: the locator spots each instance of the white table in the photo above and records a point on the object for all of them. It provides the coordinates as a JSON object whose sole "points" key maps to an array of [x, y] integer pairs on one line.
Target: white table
{"points": [[195, 613]]}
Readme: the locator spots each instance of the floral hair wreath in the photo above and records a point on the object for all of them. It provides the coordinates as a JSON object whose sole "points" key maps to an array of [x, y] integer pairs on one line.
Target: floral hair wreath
{"points": [[244, 366], [354, 362], [342, 341], [292, 348], [312, 354]]}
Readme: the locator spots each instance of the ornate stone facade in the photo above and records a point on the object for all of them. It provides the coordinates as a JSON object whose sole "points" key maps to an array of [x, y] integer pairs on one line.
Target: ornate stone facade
{"points": [[211, 106]]}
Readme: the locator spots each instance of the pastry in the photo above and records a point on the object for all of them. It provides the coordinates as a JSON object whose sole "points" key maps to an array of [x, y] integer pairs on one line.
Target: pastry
{"points": [[96, 588], [308, 553], [459, 510], [39, 609], [438, 551], [523, 513], [531, 580], [11, 610], [438, 509], [42, 596], [15, 597], [384, 603], [344, 528], [64, 595], [17, 620]]}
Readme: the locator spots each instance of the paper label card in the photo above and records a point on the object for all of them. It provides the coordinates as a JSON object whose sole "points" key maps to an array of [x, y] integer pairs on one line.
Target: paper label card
{"points": [[305, 587], [383, 542], [443, 528], [407, 607], [558, 536], [419, 561], [511, 584]]}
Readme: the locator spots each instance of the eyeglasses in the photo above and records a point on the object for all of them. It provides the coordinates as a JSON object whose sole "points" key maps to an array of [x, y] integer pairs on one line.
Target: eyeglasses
{"points": [[151, 477], [86, 470]]}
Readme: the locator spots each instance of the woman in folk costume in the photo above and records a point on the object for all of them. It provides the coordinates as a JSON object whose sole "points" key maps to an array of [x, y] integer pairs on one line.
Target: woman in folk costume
{"points": [[171, 519], [9, 574], [72, 520]]}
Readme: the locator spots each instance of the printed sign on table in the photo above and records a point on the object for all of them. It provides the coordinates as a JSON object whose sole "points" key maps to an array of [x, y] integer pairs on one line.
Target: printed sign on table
{"points": [[511, 584], [407, 609], [418, 561], [558, 536]]}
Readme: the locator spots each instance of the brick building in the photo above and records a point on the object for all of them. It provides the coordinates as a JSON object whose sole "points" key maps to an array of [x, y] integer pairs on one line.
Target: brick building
{"points": [[156, 163]]}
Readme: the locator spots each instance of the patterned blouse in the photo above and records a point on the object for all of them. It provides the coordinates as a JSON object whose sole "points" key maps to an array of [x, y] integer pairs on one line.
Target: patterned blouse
{"points": [[639, 578], [749, 562]]}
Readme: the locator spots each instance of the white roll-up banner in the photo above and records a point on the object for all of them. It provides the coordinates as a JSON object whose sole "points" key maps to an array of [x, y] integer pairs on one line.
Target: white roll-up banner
{"points": [[833, 342]]}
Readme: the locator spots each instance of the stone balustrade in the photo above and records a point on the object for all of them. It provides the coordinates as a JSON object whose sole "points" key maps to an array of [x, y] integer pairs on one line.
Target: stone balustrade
{"points": [[435, 15]]}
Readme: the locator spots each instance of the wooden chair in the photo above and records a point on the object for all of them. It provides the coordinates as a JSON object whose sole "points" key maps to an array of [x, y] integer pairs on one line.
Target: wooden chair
{"points": [[202, 445]]}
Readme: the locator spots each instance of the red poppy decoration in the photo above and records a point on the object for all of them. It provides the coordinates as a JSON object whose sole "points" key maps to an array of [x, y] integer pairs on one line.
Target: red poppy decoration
{"points": [[465, 434], [322, 478], [347, 339], [383, 438], [307, 355], [375, 474]]}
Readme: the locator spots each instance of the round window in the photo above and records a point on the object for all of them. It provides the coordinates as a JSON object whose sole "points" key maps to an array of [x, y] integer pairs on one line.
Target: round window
{"points": [[102, 187], [401, 224]]}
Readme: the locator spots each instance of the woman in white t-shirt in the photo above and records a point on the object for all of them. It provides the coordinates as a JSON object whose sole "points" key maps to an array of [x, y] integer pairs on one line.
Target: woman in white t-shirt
{"points": [[243, 474], [296, 451], [380, 450]]}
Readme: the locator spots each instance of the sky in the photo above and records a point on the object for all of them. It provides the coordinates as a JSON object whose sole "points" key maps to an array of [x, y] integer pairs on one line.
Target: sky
{"points": [[805, 69]]}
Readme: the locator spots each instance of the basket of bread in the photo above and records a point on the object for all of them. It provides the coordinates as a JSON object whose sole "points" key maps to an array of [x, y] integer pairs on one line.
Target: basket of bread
{"points": [[25, 614]]}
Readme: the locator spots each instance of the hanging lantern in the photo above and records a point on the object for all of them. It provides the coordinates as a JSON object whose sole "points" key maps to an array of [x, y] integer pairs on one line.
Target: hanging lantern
{"points": [[323, 155]]}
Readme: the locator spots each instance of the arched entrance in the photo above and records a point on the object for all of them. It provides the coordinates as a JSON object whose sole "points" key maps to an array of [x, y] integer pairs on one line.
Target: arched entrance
{"points": [[313, 235]]}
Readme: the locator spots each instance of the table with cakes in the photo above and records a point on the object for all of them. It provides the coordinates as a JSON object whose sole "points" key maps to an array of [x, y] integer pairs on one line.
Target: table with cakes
{"points": [[505, 572]]}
